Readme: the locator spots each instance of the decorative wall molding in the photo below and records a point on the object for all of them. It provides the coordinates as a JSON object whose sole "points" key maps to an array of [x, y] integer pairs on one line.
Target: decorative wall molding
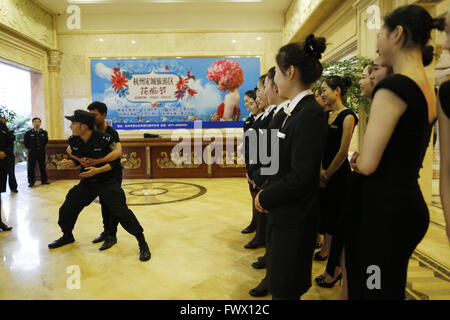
{"points": [[29, 20], [21, 53]]}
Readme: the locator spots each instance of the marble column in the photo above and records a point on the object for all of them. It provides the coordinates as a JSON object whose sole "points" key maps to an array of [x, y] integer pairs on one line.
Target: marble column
{"points": [[54, 108]]}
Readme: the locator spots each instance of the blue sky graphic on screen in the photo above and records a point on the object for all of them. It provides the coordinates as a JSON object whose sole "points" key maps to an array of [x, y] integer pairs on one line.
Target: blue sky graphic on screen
{"points": [[171, 93]]}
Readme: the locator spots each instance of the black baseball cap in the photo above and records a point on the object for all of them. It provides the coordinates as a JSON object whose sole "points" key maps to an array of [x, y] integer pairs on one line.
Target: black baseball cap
{"points": [[82, 117]]}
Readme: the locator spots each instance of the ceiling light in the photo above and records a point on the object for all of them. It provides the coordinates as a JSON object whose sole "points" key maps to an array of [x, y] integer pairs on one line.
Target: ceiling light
{"points": [[101, 40], [234, 41], [133, 42], [258, 38]]}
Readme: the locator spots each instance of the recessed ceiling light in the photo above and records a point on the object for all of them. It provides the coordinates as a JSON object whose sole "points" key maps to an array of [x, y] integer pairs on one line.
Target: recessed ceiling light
{"points": [[234, 41], [101, 40], [133, 42], [258, 38]]}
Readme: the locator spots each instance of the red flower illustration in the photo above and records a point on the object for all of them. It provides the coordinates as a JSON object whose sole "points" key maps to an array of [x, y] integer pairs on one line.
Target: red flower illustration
{"points": [[119, 80], [192, 92], [182, 84], [190, 76], [167, 68]]}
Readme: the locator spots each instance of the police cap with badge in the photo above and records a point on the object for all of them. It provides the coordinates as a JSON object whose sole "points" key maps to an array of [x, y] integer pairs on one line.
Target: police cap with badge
{"points": [[82, 116]]}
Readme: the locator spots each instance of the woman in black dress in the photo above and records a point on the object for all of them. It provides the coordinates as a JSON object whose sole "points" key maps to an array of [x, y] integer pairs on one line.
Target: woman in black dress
{"points": [[5, 142], [291, 198], [444, 132], [392, 217], [335, 173]]}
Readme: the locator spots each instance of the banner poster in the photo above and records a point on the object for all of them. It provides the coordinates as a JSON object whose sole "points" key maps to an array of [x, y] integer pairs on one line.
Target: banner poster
{"points": [[172, 93]]}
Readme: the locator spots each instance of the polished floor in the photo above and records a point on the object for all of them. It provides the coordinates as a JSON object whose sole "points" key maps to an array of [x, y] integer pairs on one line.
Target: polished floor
{"points": [[196, 244]]}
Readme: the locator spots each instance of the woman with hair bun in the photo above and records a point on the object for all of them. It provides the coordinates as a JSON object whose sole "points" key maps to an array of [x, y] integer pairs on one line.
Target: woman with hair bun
{"points": [[228, 76], [392, 209], [334, 176], [291, 197]]}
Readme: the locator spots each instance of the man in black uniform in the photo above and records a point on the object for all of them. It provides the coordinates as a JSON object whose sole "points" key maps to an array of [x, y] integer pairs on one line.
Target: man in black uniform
{"points": [[110, 224], [10, 159], [35, 141], [98, 180]]}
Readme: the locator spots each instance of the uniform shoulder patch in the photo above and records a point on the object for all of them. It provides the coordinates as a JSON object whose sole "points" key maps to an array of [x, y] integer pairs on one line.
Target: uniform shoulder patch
{"points": [[72, 140]]}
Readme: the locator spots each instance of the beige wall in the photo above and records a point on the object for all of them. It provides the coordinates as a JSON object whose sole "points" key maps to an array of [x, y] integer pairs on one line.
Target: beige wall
{"points": [[78, 48]]}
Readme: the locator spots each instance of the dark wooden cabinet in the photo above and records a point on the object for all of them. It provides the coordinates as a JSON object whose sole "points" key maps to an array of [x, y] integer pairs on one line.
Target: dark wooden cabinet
{"points": [[152, 158]]}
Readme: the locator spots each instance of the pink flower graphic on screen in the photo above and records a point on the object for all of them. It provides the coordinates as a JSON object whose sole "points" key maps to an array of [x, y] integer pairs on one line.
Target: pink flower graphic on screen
{"points": [[228, 76]]}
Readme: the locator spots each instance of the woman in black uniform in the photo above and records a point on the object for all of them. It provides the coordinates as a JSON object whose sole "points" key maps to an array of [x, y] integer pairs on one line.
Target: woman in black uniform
{"points": [[392, 217], [250, 103], [5, 143], [260, 180], [335, 173], [291, 198], [258, 240]]}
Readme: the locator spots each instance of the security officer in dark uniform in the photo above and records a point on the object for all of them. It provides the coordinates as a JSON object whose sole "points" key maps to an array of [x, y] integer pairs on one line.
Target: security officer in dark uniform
{"points": [[100, 110], [98, 180], [10, 159], [5, 142], [35, 140]]}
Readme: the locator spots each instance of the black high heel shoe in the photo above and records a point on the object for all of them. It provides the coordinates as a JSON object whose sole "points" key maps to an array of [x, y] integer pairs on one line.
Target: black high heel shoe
{"points": [[253, 244], [4, 227], [260, 264], [261, 290], [318, 257], [249, 229], [325, 284], [319, 278]]}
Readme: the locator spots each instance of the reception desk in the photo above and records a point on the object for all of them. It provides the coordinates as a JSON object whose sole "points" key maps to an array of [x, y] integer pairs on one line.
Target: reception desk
{"points": [[152, 159]]}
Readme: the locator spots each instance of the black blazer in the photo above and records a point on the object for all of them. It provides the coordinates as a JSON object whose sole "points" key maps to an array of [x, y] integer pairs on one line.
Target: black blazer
{"points": [[249, 123], [292, 196], [275, 124], [261, 126]]}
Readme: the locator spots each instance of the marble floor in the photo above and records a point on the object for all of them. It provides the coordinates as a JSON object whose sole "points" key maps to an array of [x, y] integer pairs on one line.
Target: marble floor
{"points": [[196, 244]]}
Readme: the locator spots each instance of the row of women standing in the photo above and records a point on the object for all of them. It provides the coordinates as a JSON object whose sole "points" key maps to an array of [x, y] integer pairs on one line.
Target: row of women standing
{"points": [[366, 212]]}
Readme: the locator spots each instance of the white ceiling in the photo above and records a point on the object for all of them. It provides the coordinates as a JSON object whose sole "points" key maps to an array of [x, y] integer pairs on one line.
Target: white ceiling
{"points": [[169, 6]]}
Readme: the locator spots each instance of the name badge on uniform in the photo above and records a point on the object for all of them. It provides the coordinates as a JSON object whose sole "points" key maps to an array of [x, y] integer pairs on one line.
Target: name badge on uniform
{"points": [[281, 135], [334, 127], [98, 149], [74, 148]]}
